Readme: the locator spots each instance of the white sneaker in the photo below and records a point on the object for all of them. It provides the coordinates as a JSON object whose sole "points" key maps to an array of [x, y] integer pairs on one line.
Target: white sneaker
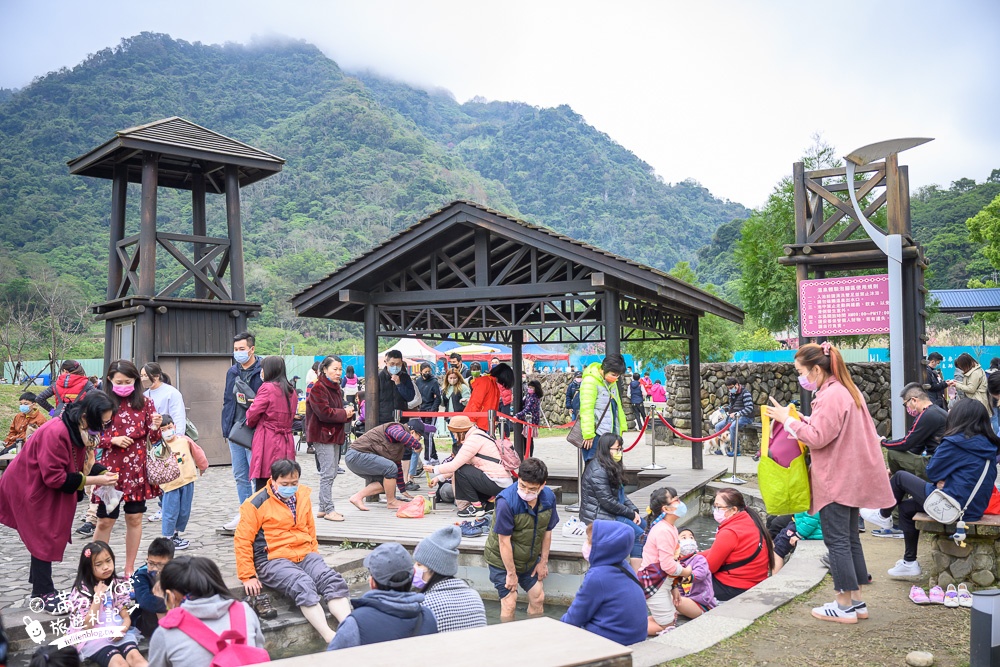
{"points": [[232, 524], [875, 517], [905, 570], [831, 612], [156, 516]]}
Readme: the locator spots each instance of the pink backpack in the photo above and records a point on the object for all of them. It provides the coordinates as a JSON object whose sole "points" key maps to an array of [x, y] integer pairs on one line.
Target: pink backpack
{"points": [[230, 648]]}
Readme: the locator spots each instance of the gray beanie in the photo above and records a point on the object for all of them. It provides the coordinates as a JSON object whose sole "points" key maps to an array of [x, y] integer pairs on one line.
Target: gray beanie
{"points": [[439, 551]]}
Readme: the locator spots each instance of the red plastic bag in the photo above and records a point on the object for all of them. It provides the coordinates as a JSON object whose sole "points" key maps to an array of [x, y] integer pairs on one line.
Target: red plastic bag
{"points": [[412, 510]]}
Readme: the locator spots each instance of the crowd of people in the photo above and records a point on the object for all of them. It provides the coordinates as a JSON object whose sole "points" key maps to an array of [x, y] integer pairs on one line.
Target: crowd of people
{"points": [[643, 575]]}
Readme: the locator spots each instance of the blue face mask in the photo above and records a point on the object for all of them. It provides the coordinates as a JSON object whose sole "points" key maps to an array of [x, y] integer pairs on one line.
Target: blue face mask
{"points": [[680, 509], [24, 408], [286, 491], [732, 392], [241, 356], [394, 370]]}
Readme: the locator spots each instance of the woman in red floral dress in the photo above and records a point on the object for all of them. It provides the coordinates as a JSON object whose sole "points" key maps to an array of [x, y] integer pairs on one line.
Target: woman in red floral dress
{"points": [[123, 450]]}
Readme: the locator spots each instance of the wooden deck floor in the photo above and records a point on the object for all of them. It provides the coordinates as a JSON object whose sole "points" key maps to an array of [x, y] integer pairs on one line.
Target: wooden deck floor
{"points": [[380, 525]]}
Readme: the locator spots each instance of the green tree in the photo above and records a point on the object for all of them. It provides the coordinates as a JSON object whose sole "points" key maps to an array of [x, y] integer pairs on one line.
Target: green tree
{"points": [[984, 229]]}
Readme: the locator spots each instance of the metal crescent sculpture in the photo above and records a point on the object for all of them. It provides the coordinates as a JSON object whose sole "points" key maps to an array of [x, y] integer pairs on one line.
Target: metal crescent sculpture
{"points": [[892, 246]]}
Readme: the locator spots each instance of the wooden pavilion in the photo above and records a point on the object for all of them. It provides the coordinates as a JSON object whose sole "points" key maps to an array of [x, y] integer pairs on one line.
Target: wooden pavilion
{"points": [[470, 273], [187, 331]]}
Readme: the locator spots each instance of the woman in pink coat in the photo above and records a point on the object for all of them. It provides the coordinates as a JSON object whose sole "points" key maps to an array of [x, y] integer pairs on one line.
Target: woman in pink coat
{"points": [[271, 416], [847, 471]]}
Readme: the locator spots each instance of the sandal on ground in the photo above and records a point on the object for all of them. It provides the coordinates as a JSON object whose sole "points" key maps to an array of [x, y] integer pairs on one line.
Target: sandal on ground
{"points": [[334, 516], [951, 597], [964, 596], [320, 515], [936, 595], [918, 596]]}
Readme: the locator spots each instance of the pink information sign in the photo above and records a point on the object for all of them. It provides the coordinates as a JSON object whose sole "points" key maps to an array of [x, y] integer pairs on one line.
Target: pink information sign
{"points": [[844, 306]]}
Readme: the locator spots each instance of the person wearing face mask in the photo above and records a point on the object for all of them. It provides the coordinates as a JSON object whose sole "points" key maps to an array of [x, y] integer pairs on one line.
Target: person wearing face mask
{"points": [[167, 401], [610, 601], [42, 485], [911, 452], [738, 412], [694, 595], [660, 550], [455, 393], [486, 392], [276, 546], [603, 492], [247, 368], [517, 549], [476, 467], [70, 385], [601, 409], [194, 590], [395, 391], [430, 398], [455, 362], [847, 471], [179, 494], [742, 555], [151, 606], [934, 384], [28, 416], [454, 604], [327, 416], [123, 449]]}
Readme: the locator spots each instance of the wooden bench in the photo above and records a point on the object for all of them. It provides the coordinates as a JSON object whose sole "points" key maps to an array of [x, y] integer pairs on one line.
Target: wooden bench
{"points": [[539, 642], [975, 563], [750, 438]]}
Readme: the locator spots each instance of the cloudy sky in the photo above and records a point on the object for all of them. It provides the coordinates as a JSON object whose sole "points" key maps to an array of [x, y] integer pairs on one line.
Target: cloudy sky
{"points": [[727, 93]]}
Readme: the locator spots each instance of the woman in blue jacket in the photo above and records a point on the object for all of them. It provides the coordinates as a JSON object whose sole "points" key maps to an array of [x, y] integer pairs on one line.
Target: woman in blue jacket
{"points": [[610, 601], [969, 447]]}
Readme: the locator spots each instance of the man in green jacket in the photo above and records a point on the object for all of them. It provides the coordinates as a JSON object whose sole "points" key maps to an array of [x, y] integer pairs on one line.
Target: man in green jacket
{"points": [[599, 396], [517, 550]]}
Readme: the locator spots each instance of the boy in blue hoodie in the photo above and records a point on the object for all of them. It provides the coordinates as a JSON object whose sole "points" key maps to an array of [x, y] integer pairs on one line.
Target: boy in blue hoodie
{"points": [[151, 607], [610, 601], [388, 611]]}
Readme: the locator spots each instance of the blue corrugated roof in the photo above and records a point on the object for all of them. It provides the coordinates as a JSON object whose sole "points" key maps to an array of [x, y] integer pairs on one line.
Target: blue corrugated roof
{"points": [[982, 300]]}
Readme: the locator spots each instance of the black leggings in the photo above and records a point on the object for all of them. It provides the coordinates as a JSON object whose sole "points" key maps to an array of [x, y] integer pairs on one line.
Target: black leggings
{"points": [[473, 485], [40, 578], [904, 483], [639, 412]]}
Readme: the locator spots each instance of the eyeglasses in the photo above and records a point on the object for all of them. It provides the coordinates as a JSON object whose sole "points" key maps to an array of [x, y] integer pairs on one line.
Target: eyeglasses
{"points": [[720, 507], [154, 565]]}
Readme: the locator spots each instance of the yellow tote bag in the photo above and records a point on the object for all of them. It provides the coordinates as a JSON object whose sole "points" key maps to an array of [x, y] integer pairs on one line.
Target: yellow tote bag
{"points": [[782, 472]]}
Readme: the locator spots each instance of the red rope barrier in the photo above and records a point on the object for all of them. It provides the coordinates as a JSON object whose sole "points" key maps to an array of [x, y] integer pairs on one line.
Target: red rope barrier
{"points": [[688, 437], [639, 437]]}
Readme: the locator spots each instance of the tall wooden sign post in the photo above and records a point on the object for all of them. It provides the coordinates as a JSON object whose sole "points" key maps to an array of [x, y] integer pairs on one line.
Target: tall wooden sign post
{"points": [[187, 328], [831, 236]]}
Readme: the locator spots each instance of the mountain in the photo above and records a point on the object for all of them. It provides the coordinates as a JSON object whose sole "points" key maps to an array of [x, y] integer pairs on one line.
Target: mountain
{"points": [[566, 174], [366, 157]]}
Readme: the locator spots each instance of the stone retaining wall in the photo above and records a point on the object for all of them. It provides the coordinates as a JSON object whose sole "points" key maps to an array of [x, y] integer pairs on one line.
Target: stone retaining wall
{"points": [[763, 380], [974, 564]]}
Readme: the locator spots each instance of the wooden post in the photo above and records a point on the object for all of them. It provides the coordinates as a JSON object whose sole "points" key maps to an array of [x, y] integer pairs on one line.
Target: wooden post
{"points": [[144, 341], [371, 366], [612, 323], [237, 282], [119, 197], [801, 236], [517, 362], [199, 226], [694, 380]]}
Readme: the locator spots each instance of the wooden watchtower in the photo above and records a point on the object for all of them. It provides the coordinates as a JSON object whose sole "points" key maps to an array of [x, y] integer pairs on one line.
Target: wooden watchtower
{"points": [[829, 238], [188, 329]]}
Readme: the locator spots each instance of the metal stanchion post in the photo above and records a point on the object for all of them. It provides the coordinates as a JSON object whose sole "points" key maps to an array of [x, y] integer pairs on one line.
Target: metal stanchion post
{"points": [[575, 507], [984, 642], [654, 465], [736, 450]]}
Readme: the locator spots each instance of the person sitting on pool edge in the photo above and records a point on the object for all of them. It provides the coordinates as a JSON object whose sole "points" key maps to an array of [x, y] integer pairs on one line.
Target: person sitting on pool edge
{"points": [[275, 545], [389, 610], [517, 549]]}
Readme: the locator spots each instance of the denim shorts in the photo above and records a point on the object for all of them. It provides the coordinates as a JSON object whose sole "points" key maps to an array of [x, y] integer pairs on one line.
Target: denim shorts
{"points": [[498, 576]]}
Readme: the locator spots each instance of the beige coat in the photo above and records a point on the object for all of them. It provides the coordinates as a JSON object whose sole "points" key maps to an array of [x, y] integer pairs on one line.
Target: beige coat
{"points": [[973, 385]]}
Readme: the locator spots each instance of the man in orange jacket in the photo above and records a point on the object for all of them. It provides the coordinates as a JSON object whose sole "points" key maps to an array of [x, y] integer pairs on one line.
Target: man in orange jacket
{"points": [[276, 547]]}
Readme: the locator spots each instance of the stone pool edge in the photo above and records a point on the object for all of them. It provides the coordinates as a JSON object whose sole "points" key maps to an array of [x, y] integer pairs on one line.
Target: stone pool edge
{"points": [[801, 573]]}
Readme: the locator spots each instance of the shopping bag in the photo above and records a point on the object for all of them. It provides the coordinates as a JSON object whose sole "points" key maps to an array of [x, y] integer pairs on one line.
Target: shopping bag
{"points": [[782, 473], [412, 510]]}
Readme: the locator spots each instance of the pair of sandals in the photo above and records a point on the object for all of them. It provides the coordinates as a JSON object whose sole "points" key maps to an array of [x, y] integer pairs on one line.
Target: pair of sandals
{"points": [[953, 597], [330, 516]]}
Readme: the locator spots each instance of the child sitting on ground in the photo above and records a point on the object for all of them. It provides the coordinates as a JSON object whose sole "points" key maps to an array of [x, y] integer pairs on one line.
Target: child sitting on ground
{"points": [[179, 494], [98, 601], [695, 594], [146, 617], [610, 602]]}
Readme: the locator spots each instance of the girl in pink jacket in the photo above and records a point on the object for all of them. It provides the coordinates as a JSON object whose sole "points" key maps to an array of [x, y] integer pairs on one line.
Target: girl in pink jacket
{"points": [[847, 470]]}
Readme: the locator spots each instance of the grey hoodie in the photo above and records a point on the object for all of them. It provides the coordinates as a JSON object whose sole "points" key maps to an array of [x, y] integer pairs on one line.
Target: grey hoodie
{"points": [[171, 647]]}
